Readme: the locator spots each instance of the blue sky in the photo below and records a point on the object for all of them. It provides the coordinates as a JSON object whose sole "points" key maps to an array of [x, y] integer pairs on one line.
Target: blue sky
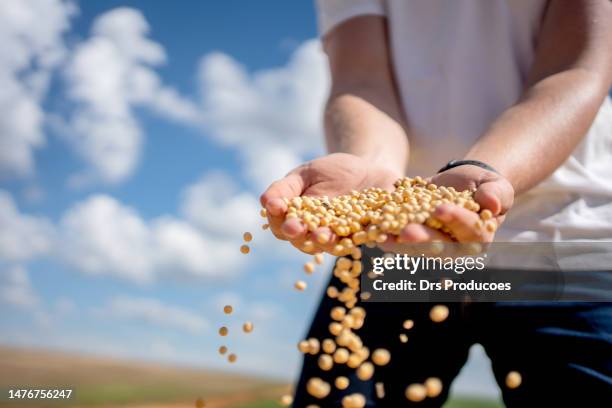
{"points": [[48, 299], [132, 166]]}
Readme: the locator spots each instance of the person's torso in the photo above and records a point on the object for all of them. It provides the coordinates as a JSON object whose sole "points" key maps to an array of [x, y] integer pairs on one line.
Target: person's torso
{"points": [[459, 65]]}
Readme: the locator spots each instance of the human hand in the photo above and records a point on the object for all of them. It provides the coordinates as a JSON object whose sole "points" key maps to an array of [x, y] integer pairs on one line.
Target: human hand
{"points": [[491, 191], [332, 175]]}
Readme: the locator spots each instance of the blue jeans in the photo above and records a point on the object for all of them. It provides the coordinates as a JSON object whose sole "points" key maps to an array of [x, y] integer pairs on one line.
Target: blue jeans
{"points": [[562, 350]]}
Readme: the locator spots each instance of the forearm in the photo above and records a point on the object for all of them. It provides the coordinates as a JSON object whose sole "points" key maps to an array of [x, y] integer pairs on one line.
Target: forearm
{"points": [[569, 79], [534, 137], [368, 125]]}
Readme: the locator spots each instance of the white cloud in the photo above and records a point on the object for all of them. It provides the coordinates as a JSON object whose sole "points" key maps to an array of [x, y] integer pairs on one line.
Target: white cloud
{"points": [[102, 236], [155, 312], [16, 289], [127, 28], [267, 163], [109, 74], [182, 248], [216, 193], [217, 207], [273, 117], [32, 46], [22, 236]]}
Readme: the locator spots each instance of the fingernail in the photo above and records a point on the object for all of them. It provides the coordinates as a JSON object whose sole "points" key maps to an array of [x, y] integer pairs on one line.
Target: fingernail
{"points": [[287, 231], [275, 206], [443, 214], [292, 228]]}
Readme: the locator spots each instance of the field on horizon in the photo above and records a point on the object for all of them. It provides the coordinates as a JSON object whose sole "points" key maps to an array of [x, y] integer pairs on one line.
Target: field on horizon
{"points": [[111, 383]]}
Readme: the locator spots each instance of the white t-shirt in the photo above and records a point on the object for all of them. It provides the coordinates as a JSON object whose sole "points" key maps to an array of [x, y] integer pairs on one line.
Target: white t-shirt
{"points": [[459, 65]]}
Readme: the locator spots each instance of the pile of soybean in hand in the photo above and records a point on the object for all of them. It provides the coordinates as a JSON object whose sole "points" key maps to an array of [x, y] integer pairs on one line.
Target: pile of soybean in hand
{"points": [[368, 217]]}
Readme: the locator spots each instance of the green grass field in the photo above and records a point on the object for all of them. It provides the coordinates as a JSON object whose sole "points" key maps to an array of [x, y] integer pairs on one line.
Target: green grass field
{"points": [[461, 402], [103, 382], [108, 383], [472, 403]]}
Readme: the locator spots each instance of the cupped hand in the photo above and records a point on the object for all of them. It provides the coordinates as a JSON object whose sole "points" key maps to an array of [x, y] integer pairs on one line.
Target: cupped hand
{"points": [[332, 175], [491, 191]]}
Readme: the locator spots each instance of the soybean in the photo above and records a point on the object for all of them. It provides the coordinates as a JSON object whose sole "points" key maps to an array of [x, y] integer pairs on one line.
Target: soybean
{"points": [[317, 388], [438, 313], [365, 371], [341, 383], [416, 392], [369, 216], [381, 357], [433, 387], [309, 268], [353, 401], [286, 400], [513, 379], [247, 327], [325, 362]]}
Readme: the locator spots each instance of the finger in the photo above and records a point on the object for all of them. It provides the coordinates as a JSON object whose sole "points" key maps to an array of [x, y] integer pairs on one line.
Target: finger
{"points": [[463, 223], [286, 229], [273, 200], [421, 233], [276, 223], [276, 207], [293, 229], [288, 187], [496, 196], [305, 244], [411, 236], [275, 227], [325, 239]]}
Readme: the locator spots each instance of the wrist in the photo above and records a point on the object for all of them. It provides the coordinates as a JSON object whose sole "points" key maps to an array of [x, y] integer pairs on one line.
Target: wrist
{"points": [[468, 162], [495, 159], [465, 177], [492, 190]]}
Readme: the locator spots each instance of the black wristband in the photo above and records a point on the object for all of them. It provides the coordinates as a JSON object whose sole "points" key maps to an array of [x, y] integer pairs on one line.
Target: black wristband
{"points": [[456, 163]]}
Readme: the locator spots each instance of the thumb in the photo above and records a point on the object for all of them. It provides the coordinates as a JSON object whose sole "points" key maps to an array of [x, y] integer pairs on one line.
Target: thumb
{"points": [[292, 185], [495, 195]]}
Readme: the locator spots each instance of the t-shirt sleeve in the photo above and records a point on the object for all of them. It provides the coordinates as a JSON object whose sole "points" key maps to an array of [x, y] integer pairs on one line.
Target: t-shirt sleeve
{"points": [[333, 12]]}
